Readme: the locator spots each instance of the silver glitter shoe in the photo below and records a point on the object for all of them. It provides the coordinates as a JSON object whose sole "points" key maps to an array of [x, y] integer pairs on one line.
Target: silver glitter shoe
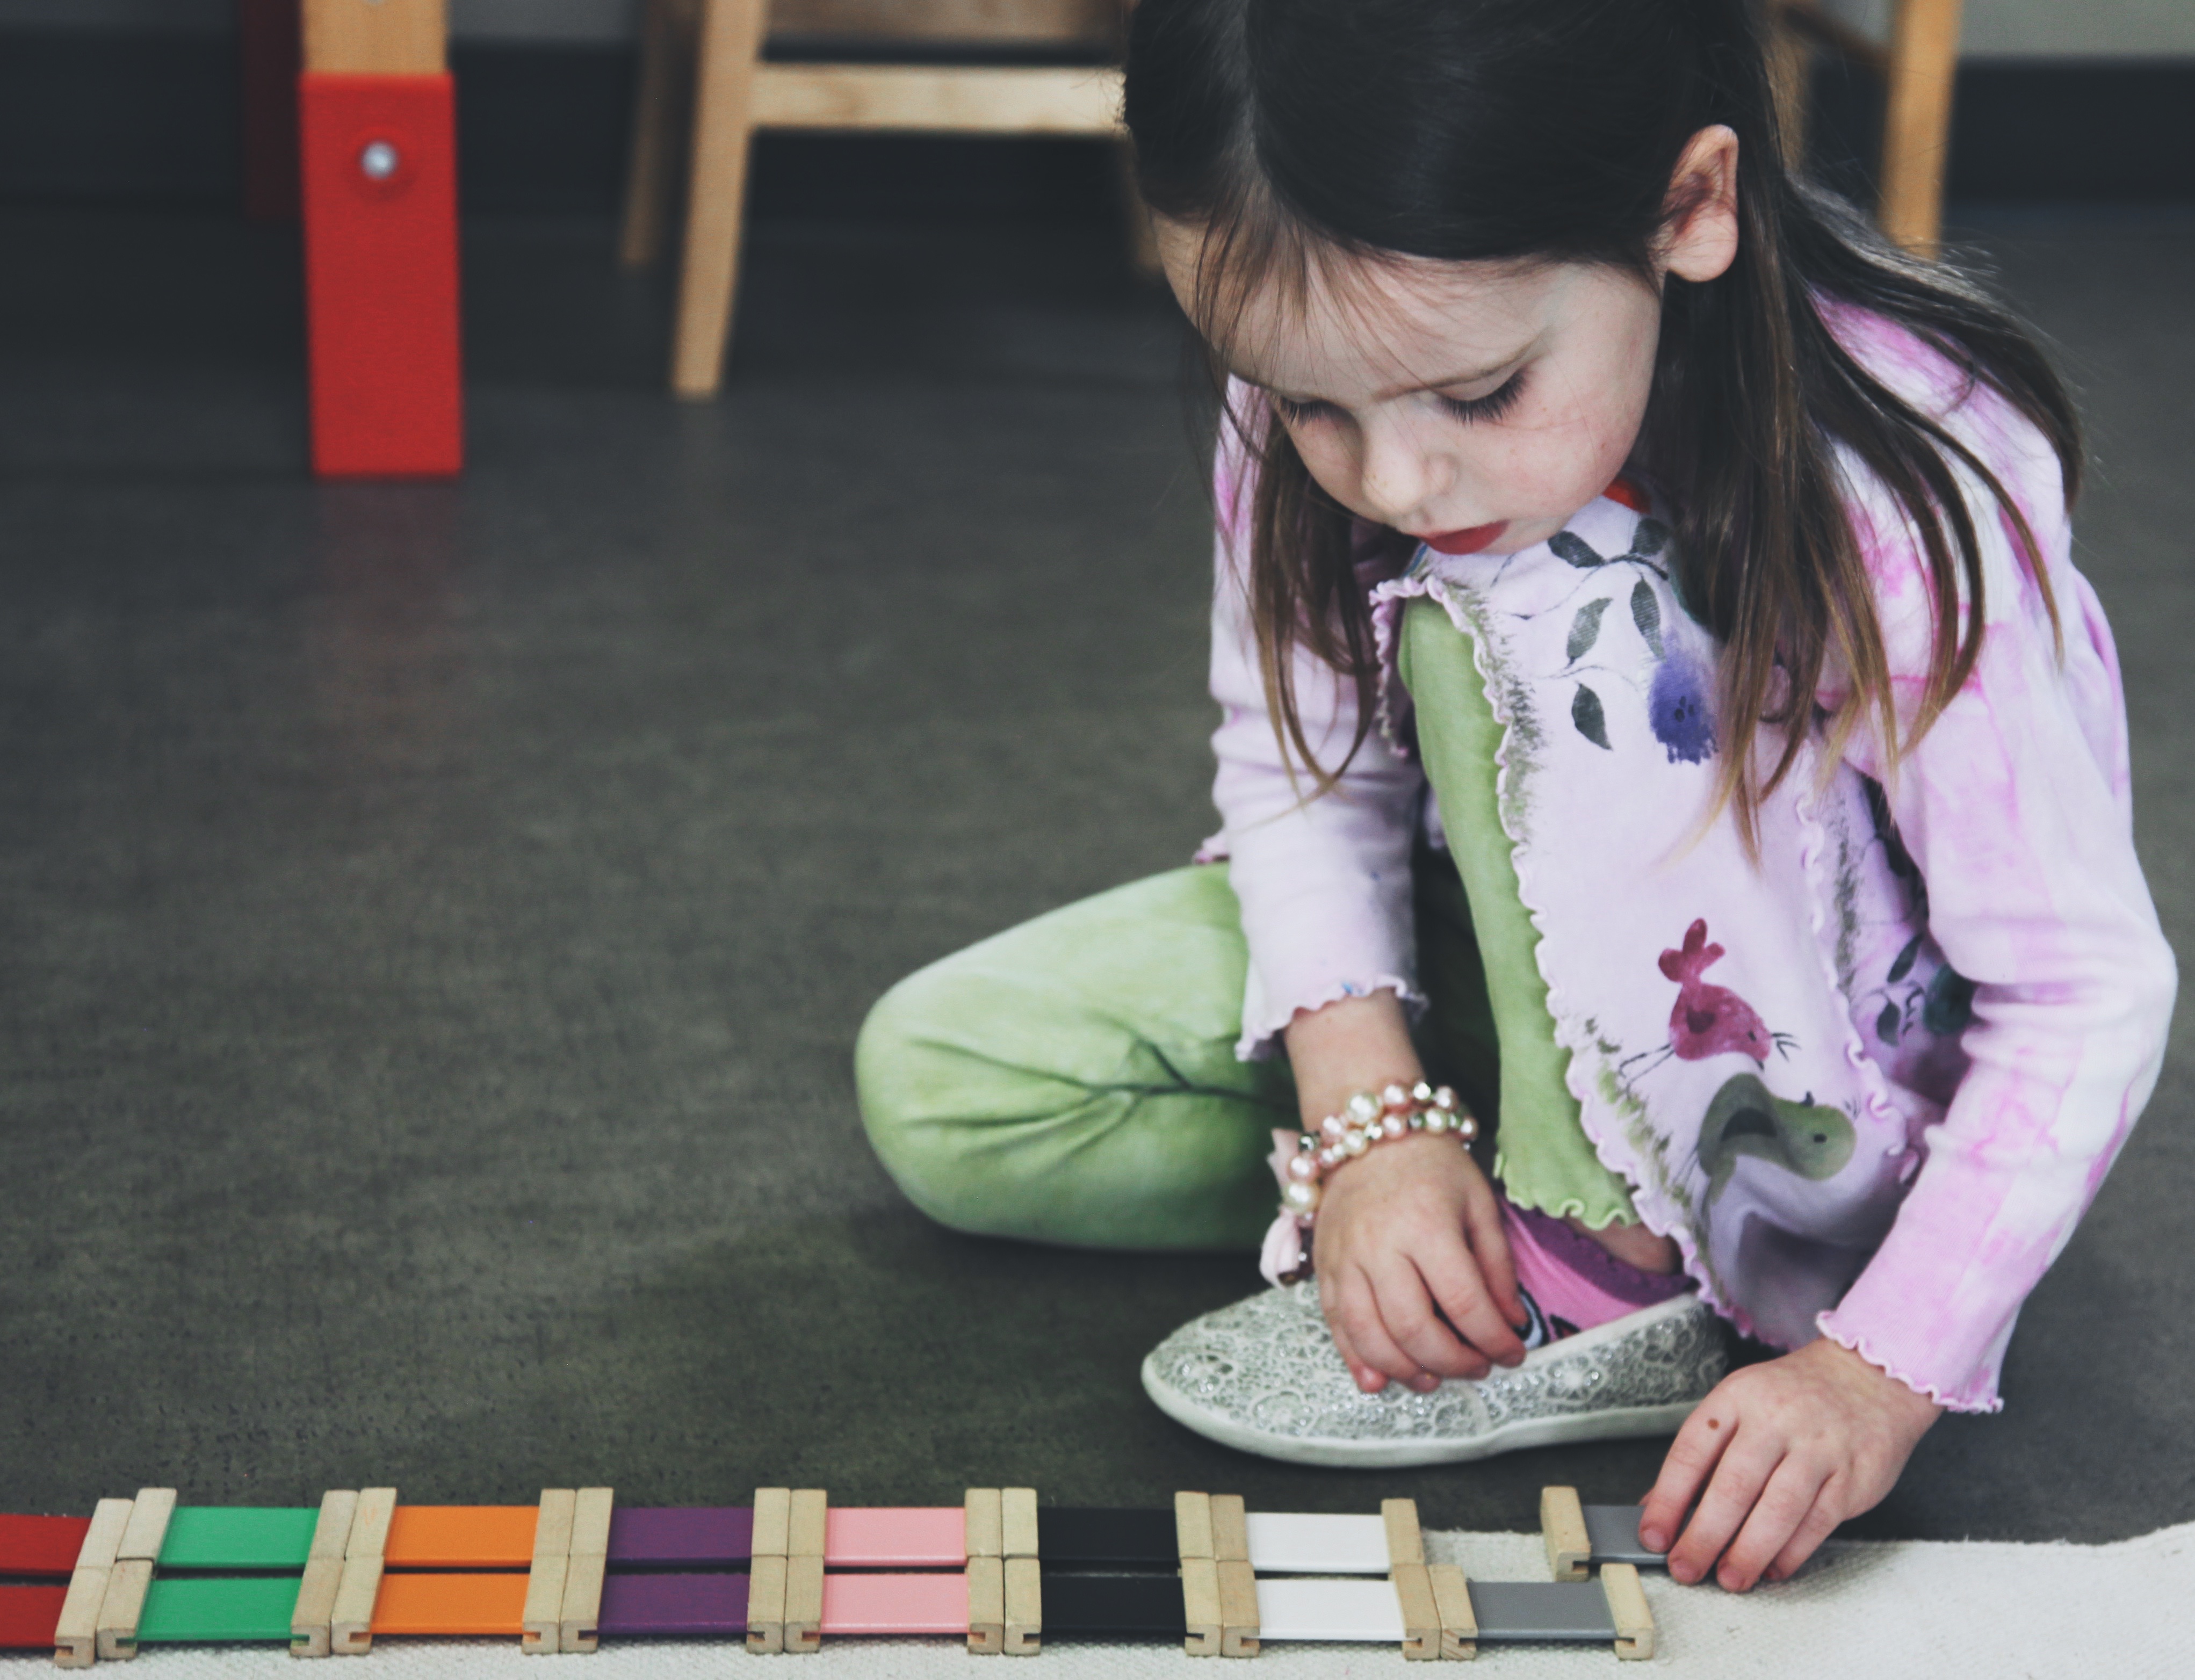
{"points": [[1263, 1376]]}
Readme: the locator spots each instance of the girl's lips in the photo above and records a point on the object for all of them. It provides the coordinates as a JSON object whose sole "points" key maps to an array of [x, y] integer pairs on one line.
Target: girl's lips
{"points": [[1466, 542]]}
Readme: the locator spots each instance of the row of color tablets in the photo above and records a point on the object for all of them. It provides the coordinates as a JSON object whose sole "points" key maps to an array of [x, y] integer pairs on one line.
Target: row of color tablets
{"points": [[786, 1572]]}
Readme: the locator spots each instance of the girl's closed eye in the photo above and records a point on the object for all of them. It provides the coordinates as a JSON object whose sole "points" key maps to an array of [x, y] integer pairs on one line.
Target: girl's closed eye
{"points": [[1298, 413], [1493, 405]]}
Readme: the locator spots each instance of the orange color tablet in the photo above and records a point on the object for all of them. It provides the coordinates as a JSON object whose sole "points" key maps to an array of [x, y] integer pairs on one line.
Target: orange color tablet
{"points": [[461, 1537]]}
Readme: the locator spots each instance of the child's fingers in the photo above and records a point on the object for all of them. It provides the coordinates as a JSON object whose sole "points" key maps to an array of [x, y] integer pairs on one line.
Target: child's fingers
{"points": [[1691, 1460], [1784, 1503], [1330, 1297], [1366, 1377], [1452, 1273], [1740, 1475], [1816, 1526], [1497, 1266], [1354, 1308], [1407, 1311]]}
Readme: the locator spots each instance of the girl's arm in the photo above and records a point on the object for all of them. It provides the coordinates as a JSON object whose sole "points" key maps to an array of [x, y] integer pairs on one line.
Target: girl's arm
{"points": [[1415, 1272], [1324, 883], [2015, 807], [1410, 1247]]}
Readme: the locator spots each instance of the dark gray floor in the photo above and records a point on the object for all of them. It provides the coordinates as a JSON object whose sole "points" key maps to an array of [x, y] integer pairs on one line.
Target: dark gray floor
{"points": [[436, 919]]}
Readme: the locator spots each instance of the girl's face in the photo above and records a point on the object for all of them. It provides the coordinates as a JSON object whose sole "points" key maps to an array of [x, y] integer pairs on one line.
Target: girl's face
{"points": [[1475, 406]]}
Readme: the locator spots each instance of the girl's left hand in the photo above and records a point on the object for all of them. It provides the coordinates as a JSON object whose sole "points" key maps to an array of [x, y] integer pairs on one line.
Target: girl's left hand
{"points": [[1786, 1451]]}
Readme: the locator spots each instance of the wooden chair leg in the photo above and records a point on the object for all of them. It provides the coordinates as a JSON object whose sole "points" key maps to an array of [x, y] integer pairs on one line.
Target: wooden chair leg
{"points": [[1790, 76], [660, 103], [730, 42], [1917, 130]]}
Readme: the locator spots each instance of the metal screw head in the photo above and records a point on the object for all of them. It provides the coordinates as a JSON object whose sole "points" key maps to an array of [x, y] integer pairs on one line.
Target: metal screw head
{"points": [[379, 160]]}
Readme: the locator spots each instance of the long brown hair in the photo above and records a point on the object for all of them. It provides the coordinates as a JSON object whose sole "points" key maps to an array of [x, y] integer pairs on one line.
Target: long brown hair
{"points": [[1310, 134]]}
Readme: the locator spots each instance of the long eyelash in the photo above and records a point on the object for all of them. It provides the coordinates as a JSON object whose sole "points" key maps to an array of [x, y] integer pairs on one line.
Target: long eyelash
{"points": [[1491, 406], [1295, 413]]}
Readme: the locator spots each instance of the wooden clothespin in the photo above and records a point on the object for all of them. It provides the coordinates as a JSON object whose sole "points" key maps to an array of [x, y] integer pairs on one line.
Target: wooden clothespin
{"points": [[1024, 1577], [350, 1628], [1563, 1530], [312, 1621], [808, 1522], [542, 1632], [1219, 1589], [75, 1637], [131, 1577], [584, 1574], [985, 1530]]}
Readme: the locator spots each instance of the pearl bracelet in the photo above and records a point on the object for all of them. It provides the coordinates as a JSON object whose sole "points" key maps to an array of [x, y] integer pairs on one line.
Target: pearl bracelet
{"points": [[1365, 1119]]}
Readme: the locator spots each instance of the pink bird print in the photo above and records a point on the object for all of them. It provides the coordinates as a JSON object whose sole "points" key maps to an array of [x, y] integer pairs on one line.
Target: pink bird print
{"points": [[1710, 1020]]}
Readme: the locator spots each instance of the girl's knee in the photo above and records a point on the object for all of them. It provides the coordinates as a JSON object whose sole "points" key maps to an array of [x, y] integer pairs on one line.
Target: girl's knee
{"points": [[943, 1098], [897, 1082], [987, 1135]]}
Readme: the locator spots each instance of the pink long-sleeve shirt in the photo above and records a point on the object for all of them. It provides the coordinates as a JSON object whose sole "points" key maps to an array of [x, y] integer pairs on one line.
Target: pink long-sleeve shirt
{"points": [[2014, 807]]}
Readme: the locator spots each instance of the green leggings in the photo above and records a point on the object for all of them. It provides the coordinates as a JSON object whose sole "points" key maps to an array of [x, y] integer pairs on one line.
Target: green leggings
{"points": [[1074, 1079]]}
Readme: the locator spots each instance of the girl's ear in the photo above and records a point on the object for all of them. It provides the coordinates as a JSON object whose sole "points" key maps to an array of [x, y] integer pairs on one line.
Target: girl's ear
{"points": [[1700, 240]]}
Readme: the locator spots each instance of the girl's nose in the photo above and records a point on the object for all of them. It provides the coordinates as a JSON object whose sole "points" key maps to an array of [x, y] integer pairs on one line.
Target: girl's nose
{"points": [[1398, 480]]}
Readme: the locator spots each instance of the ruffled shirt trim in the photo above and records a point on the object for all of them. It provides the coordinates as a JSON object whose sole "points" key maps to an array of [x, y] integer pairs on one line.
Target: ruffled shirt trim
{"points": [[1709, 1125], [1261, 1033], [1657, 1209]]}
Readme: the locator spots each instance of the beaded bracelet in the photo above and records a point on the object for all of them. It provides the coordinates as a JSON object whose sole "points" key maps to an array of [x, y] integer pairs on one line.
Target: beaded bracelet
{"points": [[1365, 1119]]}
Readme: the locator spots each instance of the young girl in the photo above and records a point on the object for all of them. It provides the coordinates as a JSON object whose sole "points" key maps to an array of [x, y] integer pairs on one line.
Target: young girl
{"points": [[1658, 699]]}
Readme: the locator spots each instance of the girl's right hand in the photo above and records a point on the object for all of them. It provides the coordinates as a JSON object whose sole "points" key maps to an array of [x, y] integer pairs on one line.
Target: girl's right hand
{"points": [[1414, 1267]]}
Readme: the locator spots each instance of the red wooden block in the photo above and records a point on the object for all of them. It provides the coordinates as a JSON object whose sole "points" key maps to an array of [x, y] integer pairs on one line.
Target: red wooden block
{"points": [[379, 156], [28, 1615], [41, 1545]]}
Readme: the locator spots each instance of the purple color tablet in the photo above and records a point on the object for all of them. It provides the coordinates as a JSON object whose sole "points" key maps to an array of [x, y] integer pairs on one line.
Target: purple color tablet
{"points": [[713, 1606], [682, 1536]]}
